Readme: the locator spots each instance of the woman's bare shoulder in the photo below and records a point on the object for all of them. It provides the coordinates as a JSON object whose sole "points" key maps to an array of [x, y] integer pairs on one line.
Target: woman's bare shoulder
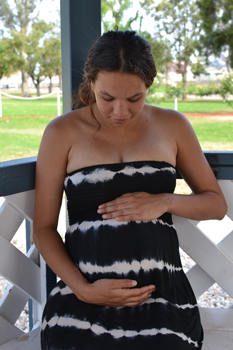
{"points": [[67, 124], [166, 114]]}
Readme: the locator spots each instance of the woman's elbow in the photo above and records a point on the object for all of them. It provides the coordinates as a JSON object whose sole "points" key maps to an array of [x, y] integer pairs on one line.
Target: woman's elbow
{"points": [[221, 209]]}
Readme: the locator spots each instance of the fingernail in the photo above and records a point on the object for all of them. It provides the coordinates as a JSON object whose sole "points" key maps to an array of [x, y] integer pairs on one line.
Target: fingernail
{"points": [[104, 216], [134, 283], [149, 295]]}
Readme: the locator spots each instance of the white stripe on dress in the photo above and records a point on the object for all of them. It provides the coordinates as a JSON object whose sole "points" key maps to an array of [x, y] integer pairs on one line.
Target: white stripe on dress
{"points": [[102, 174], [86, 225], [126, 267], [116, 333], [164, 301], [63, 291], [66, 290]]}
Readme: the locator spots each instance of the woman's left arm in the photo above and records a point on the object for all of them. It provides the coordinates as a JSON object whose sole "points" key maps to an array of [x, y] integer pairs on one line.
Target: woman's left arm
{"points": [[206, 202]]}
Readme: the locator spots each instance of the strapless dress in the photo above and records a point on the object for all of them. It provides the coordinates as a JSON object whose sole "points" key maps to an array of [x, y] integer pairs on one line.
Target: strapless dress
{"points": [[145, 251]]}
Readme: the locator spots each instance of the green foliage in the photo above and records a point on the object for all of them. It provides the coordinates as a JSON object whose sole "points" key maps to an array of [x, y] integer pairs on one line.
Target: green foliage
{"points": [[117, 9], [20, 16], [218, 26], [198, 68], [25, 34], [4, 65], [29, 55], [226, 89], [223, 87], [203, 90], [175, 90], [52, 58], [181, 20], [161, 51]]}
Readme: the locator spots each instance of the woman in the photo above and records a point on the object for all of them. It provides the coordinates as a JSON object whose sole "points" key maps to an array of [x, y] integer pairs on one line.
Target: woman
{"points": [[122, 285]]}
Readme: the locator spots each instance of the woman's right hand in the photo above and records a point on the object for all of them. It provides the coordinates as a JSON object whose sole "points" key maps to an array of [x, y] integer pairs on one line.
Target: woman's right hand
{"points": [[115, 293]]}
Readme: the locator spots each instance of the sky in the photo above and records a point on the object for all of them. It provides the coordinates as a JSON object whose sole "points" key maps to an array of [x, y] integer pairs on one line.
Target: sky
{"points": [[49, 12]]}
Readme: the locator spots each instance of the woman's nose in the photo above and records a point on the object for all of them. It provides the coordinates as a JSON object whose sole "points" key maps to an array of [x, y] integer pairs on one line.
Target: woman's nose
{"points": [[120, 109]]}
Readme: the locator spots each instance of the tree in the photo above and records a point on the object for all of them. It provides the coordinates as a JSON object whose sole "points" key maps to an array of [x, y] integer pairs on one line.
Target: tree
{"points": [[34, 52], [19, 20], [217, 22], [117, 8], [4, 66], [198, 68], [161, 51], [52, 59], [179, 21]]}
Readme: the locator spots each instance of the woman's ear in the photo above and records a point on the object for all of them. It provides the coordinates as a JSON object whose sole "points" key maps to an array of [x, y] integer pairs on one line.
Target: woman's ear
{"points": [[92, 85]]}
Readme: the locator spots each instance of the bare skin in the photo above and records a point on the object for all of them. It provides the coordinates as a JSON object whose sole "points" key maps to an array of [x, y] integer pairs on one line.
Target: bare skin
{"points": [[130, 131]]}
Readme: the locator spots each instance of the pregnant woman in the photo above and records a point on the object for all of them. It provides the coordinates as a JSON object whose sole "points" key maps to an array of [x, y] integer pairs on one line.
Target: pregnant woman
{"points": [[122, 285]]}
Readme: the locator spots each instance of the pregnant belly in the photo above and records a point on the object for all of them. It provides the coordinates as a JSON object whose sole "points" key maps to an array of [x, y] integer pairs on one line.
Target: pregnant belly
{"points": [[134, 250]]}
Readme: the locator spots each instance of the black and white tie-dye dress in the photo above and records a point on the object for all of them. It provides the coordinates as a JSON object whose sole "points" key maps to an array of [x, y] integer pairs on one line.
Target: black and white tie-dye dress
{"points": [[146, 251]]}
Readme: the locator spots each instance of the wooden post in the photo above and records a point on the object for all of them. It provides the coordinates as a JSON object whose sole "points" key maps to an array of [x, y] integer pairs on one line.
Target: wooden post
{"points": [[80, 27]]}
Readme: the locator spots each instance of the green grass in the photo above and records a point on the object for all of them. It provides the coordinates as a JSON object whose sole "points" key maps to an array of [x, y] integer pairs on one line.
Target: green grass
{"points": [[48, 106], [45, 106], [210, 130], [196, 106], [20, 137]]}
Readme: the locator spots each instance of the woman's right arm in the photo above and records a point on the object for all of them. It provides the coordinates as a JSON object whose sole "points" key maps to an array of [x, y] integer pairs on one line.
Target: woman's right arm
{"points": [[50, 174]]}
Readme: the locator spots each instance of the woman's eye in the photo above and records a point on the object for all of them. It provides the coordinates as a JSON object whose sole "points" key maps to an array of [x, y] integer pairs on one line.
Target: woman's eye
{"points": [[108, 100], [134, 100]]}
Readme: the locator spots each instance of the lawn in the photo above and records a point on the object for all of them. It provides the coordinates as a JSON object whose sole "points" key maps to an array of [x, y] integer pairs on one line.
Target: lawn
{"points": [[45, 106], [214, 133], [20, 137], [200, 106], [48, 106]]}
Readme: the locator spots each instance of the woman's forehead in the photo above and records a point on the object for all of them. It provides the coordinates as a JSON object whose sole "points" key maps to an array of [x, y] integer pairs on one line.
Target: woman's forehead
{"points": [[113, 80]]}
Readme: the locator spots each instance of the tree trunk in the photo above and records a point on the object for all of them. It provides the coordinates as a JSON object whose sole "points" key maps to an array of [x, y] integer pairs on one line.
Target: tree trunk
{"points": [[25, 88], [50, 85], [38, 89]]}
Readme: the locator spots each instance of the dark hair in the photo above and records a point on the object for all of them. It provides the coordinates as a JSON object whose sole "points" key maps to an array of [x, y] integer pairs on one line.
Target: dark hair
{"points": [[116, 51]]}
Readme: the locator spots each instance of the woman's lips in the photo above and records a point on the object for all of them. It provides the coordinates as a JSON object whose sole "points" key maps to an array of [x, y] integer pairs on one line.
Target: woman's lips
{"points": [[119, 121]]}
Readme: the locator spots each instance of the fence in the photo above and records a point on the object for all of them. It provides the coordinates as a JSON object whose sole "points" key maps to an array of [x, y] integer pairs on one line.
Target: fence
{"points": [[58, 92]]}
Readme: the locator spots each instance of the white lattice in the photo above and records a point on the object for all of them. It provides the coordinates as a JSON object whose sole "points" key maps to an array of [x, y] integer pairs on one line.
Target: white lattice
{"points": [[214, 261], [25, 272]]}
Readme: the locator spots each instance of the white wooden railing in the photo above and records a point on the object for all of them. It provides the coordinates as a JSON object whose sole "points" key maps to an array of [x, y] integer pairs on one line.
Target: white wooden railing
{"points": [[29, 276]]}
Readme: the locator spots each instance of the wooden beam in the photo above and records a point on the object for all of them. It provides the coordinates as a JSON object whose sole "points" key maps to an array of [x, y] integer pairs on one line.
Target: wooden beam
{"points": [[17, 176], [80, 27]]}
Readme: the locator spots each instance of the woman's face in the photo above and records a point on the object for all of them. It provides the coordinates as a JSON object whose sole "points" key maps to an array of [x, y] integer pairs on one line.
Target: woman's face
{"points": [[120, 97]]}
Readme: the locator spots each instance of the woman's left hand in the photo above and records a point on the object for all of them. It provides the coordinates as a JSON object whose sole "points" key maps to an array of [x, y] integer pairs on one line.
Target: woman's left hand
{"points": [[135, 206]]}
